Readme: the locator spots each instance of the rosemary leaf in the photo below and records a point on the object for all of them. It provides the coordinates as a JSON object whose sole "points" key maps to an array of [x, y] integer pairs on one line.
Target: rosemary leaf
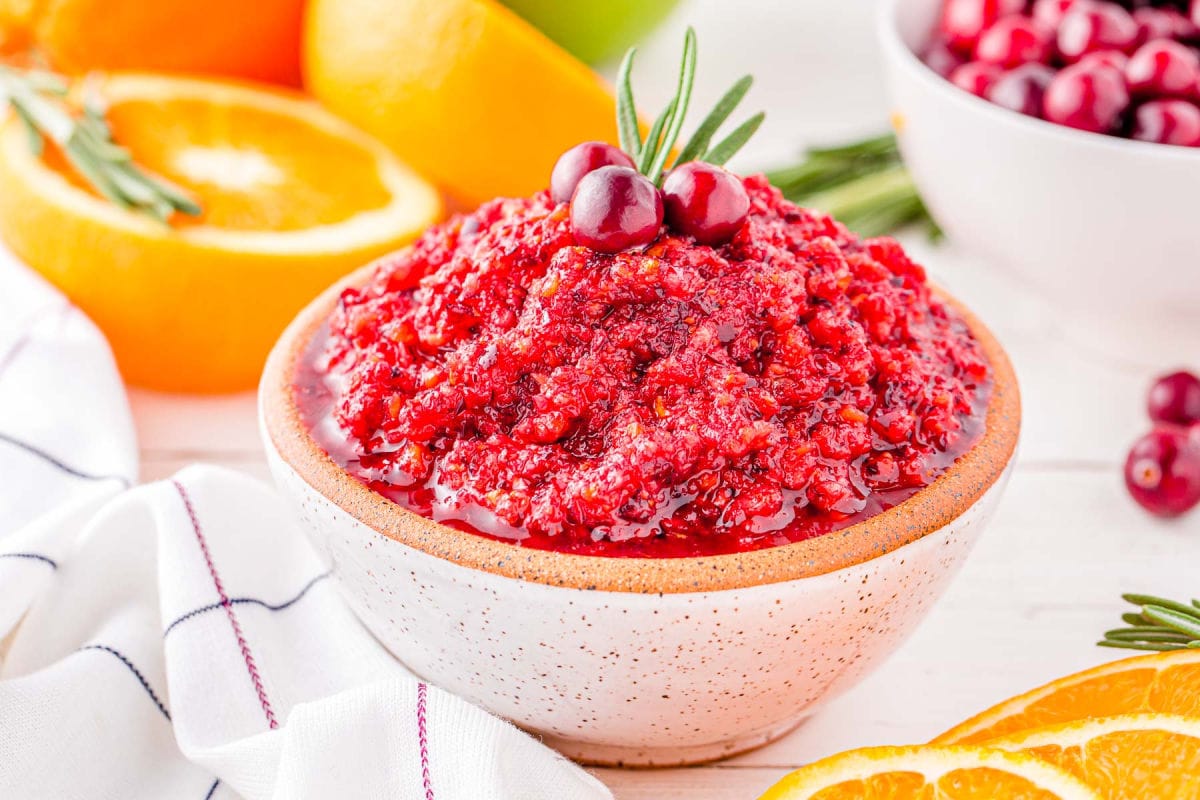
{"points": [[653, 139], [678, 106], [1184, 623], [725, 149], [1159, 647], [700, 140], [627, 123], [1134, 619], [1150, 600], [1147, 635]]}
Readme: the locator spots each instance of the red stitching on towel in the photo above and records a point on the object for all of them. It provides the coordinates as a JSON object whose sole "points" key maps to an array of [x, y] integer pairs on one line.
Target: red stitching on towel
{"points": [[255, 678], [423, 738]]}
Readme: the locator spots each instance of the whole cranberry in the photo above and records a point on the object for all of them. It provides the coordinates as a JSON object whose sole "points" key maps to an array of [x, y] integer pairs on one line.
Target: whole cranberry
{"points": [[1088, 27], [615, 208], [963, 21], [976, 77], [1108, 58], [1175, 398], [579, 161], [940, 58], [1090, 98], [706, 202], [1163, 67], [1162, 471], [1021, 89], [1012, 41], [1050, 12], [1194, 13], [1162, 23], [1167, 121]]}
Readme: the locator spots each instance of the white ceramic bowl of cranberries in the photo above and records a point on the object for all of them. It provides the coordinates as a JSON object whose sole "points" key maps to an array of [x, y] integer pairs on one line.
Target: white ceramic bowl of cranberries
{"points": [[1105, 226]]}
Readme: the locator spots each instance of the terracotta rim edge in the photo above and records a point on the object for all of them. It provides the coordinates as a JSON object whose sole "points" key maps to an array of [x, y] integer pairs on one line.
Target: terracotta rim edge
{"points": [[930, 509]]}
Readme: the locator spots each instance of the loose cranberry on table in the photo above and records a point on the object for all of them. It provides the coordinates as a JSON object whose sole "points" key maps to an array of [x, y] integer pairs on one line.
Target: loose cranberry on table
{"points": [[1021, 89], [579, 161], [1091, 26], [963, 21], [1167, 122], [614, 209], [1175, 399], [976, 77], [1090, 98], [705, 202], [1162, 471], [1013, 41], [1163, 68]]}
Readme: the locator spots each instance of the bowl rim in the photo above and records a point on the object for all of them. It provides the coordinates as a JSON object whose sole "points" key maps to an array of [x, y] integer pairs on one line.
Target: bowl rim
{"points": [[902, 56], [930, 509]]}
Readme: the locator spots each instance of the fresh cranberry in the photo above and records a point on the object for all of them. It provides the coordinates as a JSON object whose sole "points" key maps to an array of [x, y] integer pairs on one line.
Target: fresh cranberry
{"points": [[1050, 12], [963, 21], [1090, 98], [940, 58], [1175, 399], [1167, 122], [1163, 67], [1013, 41], [1088, 27], [1162, 471], [976, 77], [1194, 13], [1162, 23], [1021, 89], [579, 161], [1108, 58], [705, 202], [615, 208]]}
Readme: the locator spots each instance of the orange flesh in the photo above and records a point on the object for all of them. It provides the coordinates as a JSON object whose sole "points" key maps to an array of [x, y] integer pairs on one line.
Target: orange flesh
{"points": [[977, 783], [250, 169]]}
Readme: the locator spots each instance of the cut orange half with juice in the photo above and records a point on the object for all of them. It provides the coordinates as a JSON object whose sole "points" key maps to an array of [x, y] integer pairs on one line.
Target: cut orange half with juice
{"points": [[930, 773], [1129, 757], [1163, 682], [293, 198]]}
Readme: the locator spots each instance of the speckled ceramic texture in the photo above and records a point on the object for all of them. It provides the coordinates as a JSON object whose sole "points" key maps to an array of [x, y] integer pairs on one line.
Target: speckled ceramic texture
{"points": [[630, 678], [647, 662]]}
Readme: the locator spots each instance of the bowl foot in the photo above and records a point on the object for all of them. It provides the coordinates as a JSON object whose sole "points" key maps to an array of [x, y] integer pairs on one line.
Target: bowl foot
{"points": [[631, 756]]}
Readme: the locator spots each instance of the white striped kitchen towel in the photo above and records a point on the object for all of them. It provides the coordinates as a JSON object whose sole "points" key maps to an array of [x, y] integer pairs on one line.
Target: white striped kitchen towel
{"points": [[181, 639]]}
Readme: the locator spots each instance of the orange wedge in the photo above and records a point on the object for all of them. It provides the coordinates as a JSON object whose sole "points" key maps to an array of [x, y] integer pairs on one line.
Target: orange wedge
{"points": [[1130, 757], [926, 773], [1163, 682], [293, 199], [465, 91]]}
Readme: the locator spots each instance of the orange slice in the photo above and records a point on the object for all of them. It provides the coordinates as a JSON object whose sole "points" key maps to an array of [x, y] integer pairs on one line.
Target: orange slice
{"points": [[293, 199], [1163, 682], [1130, 757], [465, 91], [930, 773]]}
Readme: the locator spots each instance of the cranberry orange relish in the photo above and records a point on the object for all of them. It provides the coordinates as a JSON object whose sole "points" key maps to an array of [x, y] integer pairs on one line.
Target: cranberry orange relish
{"points": [[723, 385]]}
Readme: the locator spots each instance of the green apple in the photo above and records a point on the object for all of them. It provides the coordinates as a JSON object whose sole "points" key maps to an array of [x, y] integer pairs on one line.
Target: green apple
{"points": [[593, 30]]}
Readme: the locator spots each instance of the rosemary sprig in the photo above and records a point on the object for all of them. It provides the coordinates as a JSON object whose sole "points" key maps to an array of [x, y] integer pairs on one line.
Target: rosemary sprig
{"points": [[42, 101], [1159, 625], [653, 155], [864, 184]]}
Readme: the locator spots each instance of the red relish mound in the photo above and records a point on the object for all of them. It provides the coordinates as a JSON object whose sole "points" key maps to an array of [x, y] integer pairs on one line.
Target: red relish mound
{"points": [[678, 400]]}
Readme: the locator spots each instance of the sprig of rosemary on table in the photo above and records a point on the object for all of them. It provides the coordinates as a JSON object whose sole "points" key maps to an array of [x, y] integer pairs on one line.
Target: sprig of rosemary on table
{"points": [[1159, 625], [653, 154], [863, 184], [42, 101]]}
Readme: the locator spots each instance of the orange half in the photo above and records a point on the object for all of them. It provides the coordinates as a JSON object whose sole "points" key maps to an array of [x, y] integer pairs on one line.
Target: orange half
{"points": [[930, 773], [1162, 682], [293, 199]]}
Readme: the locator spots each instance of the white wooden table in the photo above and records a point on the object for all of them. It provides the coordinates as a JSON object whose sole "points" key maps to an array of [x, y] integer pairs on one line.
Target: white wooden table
{"points": [[1044, 581]]}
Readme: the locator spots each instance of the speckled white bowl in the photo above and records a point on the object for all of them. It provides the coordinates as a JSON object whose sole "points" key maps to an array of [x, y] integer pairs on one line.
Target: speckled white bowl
{"points": [[648, 662], [1105, 228]]}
